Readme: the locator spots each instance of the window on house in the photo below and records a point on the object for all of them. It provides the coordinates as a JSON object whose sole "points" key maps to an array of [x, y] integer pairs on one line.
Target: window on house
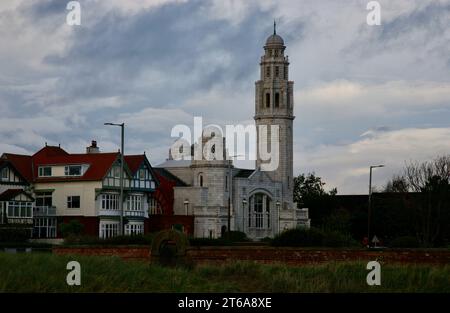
{"points": [[154, 207], [134, 203], [116, 172], [108, 230], [267, 100], [44, 199], [19, 209], [110, 201], [277, 71], [4, 174], [142, 174], [44, 227], [44, 171], [73, 202], [277, 100], [134, 229], [72, 170]]}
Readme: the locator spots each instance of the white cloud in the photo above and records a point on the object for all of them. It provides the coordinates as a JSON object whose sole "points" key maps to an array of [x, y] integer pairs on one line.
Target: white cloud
{"points": [[346, 166]]}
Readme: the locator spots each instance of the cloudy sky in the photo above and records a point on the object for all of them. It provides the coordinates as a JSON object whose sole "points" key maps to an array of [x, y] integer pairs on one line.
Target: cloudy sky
{"points": [[363, 94]]}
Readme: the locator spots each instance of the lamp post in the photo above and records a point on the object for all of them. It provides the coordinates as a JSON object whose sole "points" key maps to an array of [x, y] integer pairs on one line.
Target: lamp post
{"points": [[370, 200], [244, 204], [122, 135], [230, 186], [278, 204]]}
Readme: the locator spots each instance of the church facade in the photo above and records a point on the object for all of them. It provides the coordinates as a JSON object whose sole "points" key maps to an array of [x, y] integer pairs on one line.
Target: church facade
{"points": [[257, 202]]}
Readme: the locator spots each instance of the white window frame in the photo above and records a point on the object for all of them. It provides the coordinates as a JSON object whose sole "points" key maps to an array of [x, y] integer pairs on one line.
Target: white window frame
{"points": [[4, 175], [134, 203], [134, 229], [110, 201], [68, 167], [108, 229], [19, 209], [70, 201], [41, 171]]}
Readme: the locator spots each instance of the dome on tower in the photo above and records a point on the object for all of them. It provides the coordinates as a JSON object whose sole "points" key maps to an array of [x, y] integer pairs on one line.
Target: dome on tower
{"points": [[274, 40]]}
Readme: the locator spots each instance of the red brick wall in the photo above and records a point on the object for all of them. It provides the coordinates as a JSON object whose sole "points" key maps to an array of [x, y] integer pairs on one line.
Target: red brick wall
{"points": [[126, 253], [296, 256], [292, 256]]}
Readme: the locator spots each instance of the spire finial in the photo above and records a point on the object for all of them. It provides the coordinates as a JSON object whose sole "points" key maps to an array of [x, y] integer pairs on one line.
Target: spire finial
{"points": [[274, 27]]}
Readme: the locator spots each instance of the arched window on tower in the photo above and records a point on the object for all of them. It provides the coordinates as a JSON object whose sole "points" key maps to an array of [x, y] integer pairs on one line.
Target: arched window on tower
{"points": [[277, 71], [267, 100], [268, 71], [277, 100], [200, 179]]}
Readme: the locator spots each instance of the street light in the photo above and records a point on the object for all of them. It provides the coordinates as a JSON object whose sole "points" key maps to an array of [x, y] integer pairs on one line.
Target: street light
{"points": [[230, 186], [370, 200], [186, 206], [122, 126], [244, 204], [278, 205]]}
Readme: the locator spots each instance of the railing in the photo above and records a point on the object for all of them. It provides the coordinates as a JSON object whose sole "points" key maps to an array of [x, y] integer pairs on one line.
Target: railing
{"points": [[105, 212], [134, 213], [44, 210]]}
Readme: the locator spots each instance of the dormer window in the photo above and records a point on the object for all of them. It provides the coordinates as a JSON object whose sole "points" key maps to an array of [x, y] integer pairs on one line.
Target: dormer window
{"points": [[45, 171], [4, 174], [72, 170]]}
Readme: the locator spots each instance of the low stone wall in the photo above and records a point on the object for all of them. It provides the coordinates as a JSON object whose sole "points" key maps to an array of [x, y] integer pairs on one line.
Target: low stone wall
{"points": [[291, 256]]}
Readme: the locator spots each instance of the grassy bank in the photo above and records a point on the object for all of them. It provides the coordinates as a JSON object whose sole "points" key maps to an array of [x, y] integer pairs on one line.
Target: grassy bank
{"points": [[47, 273]]}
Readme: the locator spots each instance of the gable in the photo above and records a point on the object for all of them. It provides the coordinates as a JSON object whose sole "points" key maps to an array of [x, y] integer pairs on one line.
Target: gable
{"points": [[10, 176]]}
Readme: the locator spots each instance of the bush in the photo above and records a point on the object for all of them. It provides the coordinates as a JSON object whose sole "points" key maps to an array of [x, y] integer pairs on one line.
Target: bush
{"points": [[299, 237], [235, 236], [405, 242], [73, 228], [338, 239], [302, 237], [13, 234]]}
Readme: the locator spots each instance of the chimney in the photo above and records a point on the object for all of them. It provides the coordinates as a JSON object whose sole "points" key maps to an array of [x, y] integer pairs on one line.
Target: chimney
{"points": [[93, 148]]}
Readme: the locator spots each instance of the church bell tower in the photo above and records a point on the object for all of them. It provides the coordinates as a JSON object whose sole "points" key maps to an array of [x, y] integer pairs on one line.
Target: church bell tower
{"points": [[274, 105]]}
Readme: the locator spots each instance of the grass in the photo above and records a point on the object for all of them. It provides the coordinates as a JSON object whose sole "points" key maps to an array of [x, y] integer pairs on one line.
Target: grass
{"points": [[40, 272]]}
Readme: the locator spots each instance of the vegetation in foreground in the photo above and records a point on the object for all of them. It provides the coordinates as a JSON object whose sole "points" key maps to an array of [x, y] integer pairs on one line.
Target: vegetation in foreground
{"points": [[39, 272]]}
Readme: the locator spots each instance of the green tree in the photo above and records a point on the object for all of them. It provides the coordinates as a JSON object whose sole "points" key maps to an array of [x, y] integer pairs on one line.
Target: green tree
{"points": [[309, 187]]}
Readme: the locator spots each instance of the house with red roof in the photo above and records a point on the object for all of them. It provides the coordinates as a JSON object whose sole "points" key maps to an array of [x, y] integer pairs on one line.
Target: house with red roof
{"points": [[53, 186]]}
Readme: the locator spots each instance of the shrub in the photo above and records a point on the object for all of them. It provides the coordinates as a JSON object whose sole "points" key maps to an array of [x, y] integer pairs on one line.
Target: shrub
{"points": [[338, 239], [299, 237], [13, 234], [73, 228], [235, 236], [405, 242]]}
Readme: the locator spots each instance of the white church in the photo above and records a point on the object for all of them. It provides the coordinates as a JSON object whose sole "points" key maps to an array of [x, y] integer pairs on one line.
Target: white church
{"points": [[257, 202]]}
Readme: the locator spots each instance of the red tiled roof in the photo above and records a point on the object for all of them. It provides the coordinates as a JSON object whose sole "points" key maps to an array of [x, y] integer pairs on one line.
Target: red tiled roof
{"points": [[134, 162], [99, 163], [10, 193], [22, 163]]}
